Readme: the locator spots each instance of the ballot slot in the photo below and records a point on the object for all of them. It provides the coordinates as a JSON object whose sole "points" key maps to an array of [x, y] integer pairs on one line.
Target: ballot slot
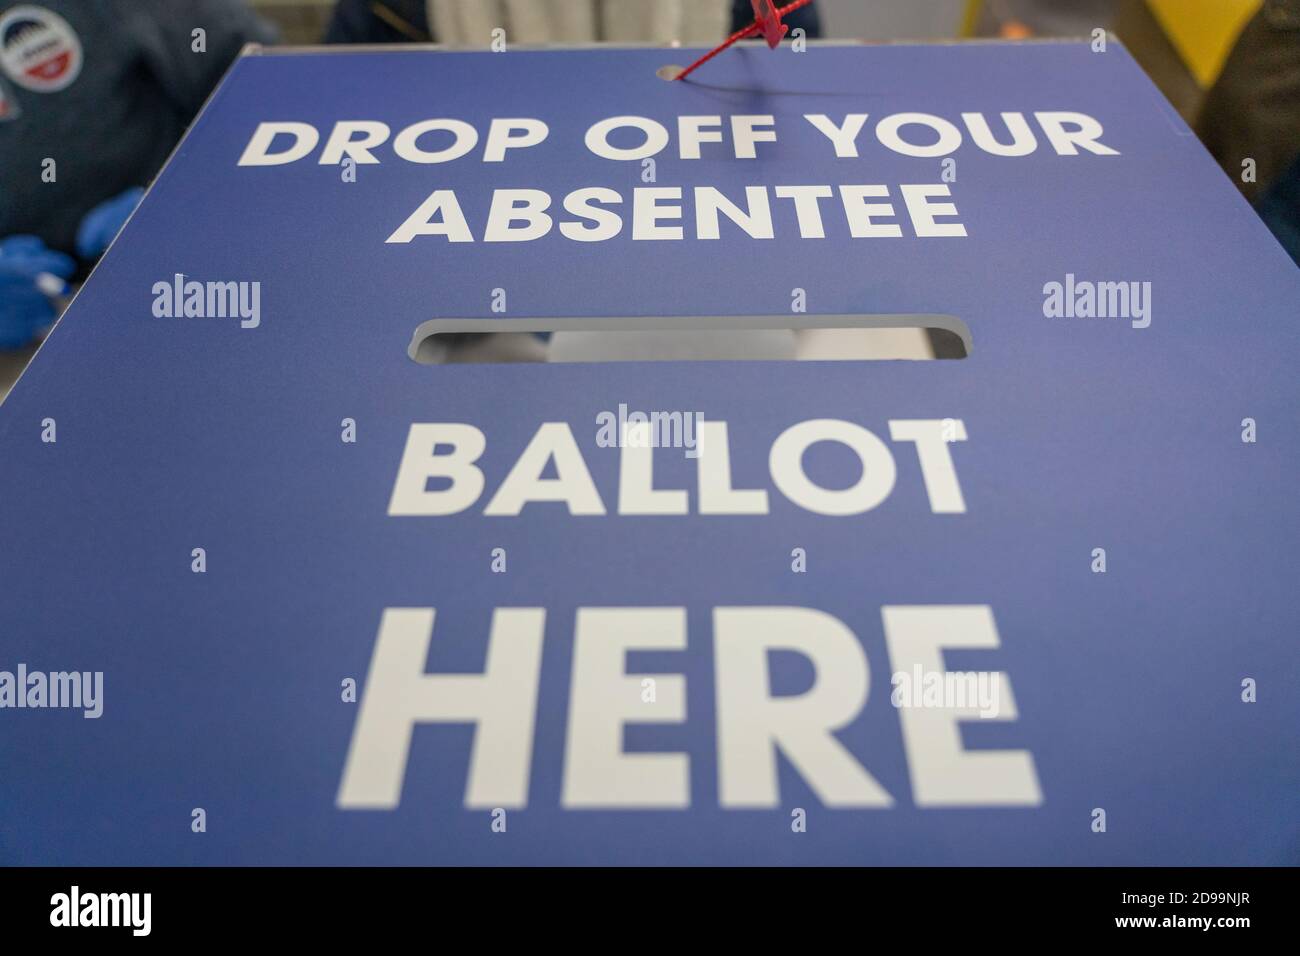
{"points": [[813, 338]]}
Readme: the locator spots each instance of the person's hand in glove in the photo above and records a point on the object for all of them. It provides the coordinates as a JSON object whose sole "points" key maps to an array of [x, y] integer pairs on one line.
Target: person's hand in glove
{"points": [[31, 276], [102, 224]]}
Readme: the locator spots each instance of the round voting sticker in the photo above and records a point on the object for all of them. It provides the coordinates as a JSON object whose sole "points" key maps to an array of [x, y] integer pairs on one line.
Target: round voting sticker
{"points": [[38, 49]]}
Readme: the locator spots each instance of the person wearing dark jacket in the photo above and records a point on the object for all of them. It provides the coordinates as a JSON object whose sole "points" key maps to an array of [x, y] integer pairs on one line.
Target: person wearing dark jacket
{"points": [[94, 95], [1251, 118]]}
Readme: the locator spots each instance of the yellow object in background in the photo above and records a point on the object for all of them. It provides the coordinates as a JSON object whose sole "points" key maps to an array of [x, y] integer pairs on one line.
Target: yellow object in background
{"points": [[1203, 31]]}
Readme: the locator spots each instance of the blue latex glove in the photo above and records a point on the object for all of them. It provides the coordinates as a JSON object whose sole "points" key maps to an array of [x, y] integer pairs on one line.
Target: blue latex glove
{"points": [[30, 274], [102, 224]]}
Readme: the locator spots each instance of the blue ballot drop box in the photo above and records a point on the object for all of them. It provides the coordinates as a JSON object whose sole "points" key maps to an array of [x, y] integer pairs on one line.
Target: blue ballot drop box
{"points": [[277, 593]]}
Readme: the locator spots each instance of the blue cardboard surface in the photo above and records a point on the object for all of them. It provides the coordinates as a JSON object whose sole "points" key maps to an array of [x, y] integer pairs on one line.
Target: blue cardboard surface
{"points": [[222, 689]]}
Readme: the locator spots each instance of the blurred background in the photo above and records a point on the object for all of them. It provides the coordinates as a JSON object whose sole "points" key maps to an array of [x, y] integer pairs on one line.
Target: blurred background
{"points": [[115, 82]]}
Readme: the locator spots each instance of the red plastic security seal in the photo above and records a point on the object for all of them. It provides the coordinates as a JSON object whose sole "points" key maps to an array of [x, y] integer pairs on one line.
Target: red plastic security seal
{"points": [[767, 21]]}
